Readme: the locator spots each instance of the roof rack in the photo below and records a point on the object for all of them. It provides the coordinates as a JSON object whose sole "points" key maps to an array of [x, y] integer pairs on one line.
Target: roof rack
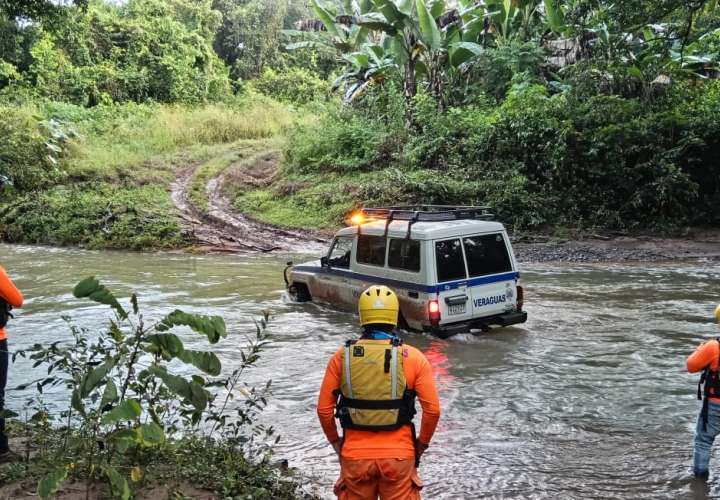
{"points": [[425, 213]]}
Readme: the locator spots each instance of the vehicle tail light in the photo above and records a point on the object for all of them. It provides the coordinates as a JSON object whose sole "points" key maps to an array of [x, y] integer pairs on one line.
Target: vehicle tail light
{"points": [[434, 312], [520, 298]]}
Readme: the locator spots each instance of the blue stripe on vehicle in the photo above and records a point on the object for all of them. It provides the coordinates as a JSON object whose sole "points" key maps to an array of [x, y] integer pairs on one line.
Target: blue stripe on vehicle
{"points": [[406, 285]]}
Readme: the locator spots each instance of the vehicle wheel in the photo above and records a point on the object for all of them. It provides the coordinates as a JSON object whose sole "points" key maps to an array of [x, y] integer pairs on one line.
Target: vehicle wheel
{"points": [[299, 292]]}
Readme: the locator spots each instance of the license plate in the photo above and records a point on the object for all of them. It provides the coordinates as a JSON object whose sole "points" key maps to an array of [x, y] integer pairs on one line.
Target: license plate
{"points": [[456, 309]]}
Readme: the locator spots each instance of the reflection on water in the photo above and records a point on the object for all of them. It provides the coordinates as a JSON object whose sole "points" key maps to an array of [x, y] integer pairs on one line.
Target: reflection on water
{"points": [[588, 399]]}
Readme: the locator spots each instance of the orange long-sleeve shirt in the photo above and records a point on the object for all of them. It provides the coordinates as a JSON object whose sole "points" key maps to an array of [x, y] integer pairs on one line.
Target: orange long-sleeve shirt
{"points": [[10, 293], [358, 444], [707, 353]]}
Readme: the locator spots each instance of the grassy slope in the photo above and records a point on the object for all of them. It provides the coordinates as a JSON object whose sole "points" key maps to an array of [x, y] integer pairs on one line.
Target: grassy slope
{"points": [[316, 201], [115, 190]]}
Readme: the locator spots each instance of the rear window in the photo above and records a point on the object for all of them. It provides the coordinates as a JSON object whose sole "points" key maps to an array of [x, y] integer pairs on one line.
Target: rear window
{"points": [[404, 254], [449, 259], [486, 254], [371, 250]]}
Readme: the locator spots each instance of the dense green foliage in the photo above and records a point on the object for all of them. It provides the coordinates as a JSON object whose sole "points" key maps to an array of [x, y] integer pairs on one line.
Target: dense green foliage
{"points": [[248, 39], [145, 49], [293, 85], [540, 159], [582, 113], [25, 160], [131, 421], [575, 113]]}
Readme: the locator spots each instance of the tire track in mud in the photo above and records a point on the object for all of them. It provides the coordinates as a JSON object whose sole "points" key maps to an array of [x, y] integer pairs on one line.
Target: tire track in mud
{"points": [[221, 228]]}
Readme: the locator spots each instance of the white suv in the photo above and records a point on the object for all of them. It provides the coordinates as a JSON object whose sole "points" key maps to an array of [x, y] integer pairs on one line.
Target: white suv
{"points": [[452, 268]]}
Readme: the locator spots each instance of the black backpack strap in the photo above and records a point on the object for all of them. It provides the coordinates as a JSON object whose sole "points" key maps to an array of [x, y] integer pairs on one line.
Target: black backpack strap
{"points": [[5, 313], [704, 413]]}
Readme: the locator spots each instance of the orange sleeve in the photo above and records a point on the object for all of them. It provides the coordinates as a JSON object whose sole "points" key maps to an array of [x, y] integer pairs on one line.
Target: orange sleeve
{"points": [[327, 398], [706, 354], [428, 396], [9, 291]]}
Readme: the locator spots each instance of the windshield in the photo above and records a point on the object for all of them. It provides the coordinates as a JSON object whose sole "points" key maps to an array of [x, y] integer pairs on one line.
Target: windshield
{"points": [[339, 255]]}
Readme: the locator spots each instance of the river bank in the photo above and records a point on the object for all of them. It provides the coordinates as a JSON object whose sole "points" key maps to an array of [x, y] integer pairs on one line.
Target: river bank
{"points": [[219, 179], [698, 244], [189, 467]]}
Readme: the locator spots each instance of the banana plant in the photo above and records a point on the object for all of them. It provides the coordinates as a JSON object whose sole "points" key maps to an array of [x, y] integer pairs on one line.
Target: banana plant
{"points": [[423, 41], [426, 40], [342, 33], [371, 65]]}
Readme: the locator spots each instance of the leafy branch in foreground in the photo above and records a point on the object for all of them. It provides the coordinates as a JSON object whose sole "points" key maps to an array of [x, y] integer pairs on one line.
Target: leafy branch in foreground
{"points": [[135, 389]]}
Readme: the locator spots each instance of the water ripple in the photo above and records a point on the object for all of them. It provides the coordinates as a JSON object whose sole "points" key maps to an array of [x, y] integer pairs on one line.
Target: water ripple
{"points": [[589, 399]]}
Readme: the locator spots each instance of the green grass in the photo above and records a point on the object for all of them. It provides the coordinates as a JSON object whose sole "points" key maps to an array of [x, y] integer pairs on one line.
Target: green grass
{"points": [[312, 201], [128, 138], [94, 216], [113, 190], [237, 155]]}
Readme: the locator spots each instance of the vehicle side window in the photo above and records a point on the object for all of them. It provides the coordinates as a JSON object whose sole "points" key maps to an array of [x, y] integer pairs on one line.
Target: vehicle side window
{"points": [[339, 255], [371, 250], [449, 260], [404, 254], [487, 254]]}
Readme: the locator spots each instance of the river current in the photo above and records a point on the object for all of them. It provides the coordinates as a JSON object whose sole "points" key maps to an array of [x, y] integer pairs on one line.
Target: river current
{"points": [[588, 399]]}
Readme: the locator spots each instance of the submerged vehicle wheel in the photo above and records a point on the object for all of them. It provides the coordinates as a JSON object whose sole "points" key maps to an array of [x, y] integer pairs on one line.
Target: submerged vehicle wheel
{"points": [[299, 292]]}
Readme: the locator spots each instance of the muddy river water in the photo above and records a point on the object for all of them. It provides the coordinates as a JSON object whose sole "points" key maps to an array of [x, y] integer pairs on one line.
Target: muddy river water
{"points": [[588, 399]]}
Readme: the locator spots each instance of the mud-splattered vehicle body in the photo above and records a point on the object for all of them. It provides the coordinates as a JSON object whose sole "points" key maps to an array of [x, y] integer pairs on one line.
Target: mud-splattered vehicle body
{"points": [[452, 268]]}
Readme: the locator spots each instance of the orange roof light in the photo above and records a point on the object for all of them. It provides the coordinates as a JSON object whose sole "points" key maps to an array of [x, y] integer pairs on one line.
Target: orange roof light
{"points": [[357, 218]]}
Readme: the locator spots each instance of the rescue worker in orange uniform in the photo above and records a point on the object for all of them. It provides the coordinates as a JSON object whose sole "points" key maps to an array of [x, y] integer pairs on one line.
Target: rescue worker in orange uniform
{"points": [[706, 359], [10, 297], [370, 385]]}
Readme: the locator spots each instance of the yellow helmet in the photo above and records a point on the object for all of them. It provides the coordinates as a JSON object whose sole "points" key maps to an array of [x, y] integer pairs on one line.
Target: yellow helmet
{"points": [[717, 314], [378, 304]]}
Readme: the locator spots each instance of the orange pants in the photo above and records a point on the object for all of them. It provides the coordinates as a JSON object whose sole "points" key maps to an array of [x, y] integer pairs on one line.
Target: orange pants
{"points": [[389, 478]]}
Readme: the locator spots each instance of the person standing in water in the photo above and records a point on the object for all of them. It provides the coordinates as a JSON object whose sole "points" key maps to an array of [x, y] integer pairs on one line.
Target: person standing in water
{"points": [[10, 297], [371, 385], [706, 359]]}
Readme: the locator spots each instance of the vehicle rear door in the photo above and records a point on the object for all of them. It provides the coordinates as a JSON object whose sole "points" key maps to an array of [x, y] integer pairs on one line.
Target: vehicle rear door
{"points": [[453, 295], [491, 277]]}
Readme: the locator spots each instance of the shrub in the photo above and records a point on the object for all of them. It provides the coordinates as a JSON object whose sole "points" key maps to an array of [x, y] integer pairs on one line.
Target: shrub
{"points": [[294, 85], [94, 216], [26, 158], [142, 409], [138, 50], [350, 139], [608, 161]]}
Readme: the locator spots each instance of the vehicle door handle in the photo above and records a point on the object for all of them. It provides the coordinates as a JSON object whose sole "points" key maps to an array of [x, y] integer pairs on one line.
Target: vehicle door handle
{"points": [[456, 299], [413, 295]]}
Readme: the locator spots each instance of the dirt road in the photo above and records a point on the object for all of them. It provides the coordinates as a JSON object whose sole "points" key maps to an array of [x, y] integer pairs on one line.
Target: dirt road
{"points": [[220, 228]]}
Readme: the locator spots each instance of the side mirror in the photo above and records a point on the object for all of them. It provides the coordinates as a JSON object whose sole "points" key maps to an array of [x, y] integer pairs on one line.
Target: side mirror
{"points": [[324, 262]]}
